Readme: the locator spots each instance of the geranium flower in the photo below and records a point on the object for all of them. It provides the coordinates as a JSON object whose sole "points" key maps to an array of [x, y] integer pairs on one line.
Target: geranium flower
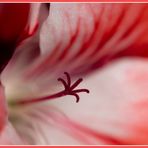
{"points": [[43, 98]]}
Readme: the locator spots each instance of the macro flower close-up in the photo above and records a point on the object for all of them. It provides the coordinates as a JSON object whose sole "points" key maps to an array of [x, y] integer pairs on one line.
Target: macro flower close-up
{"points": [[73, 73]]}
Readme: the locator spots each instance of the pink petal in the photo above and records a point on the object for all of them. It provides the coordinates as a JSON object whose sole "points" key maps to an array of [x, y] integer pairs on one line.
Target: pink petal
{"points": [[3, 109], [28, 49], [10, 137], [25, 54], [46, 125], [67, 42], [69, 36], [85, 34], [38, 13], [74, 33], [117, 105]]}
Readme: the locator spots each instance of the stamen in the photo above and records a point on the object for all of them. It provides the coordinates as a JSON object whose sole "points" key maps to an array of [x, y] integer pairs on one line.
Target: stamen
{"points": [[77, 97], [76, 83], [81, 90], [63, 82], [68, 78], [68, 90]]}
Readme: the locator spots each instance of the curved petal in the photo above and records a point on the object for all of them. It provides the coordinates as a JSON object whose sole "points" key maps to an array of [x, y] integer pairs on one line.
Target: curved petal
{"points": [[74, 43], [115, 111], [46, 125], [28, 48], [117, 105], [67, 45], [74, 33], [25, 54], [10, 137], [89, 37], [37, 125], [38, 13]]}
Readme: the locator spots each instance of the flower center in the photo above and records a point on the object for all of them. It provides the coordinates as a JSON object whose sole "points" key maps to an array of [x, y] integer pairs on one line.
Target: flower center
{"points": [[69, 89]]}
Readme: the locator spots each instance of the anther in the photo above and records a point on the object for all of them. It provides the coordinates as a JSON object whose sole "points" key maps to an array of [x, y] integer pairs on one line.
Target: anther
{"points": [[68, 78]]}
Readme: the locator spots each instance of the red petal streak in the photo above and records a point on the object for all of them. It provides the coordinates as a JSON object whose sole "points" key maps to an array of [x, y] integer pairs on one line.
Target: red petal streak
{"points": [[112, 29]]}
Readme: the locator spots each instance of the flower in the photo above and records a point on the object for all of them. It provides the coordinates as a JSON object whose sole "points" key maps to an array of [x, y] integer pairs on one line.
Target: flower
{"points": [[103, 43]]}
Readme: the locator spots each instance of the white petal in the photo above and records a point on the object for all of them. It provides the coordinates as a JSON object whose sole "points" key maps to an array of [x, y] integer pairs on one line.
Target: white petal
{"points": [[115, 111], [70, 35], [76, 32], [25, 55], [117, 105], [42, 125], [38, 13], [10, 137]]}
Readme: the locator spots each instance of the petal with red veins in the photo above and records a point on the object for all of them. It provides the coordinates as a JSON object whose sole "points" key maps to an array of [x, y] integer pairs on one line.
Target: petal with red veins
{"points": [[117, 105], [74, 33], [115, 111], [34, 14], [38, 13], [76, 38]]}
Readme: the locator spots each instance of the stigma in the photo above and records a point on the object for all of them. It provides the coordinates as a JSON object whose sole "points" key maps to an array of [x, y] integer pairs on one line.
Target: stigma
{"points": [[69, 89]]}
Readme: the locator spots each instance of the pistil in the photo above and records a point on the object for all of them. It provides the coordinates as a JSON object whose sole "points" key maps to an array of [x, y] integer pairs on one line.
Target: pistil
{"points": [[68, 90]]}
